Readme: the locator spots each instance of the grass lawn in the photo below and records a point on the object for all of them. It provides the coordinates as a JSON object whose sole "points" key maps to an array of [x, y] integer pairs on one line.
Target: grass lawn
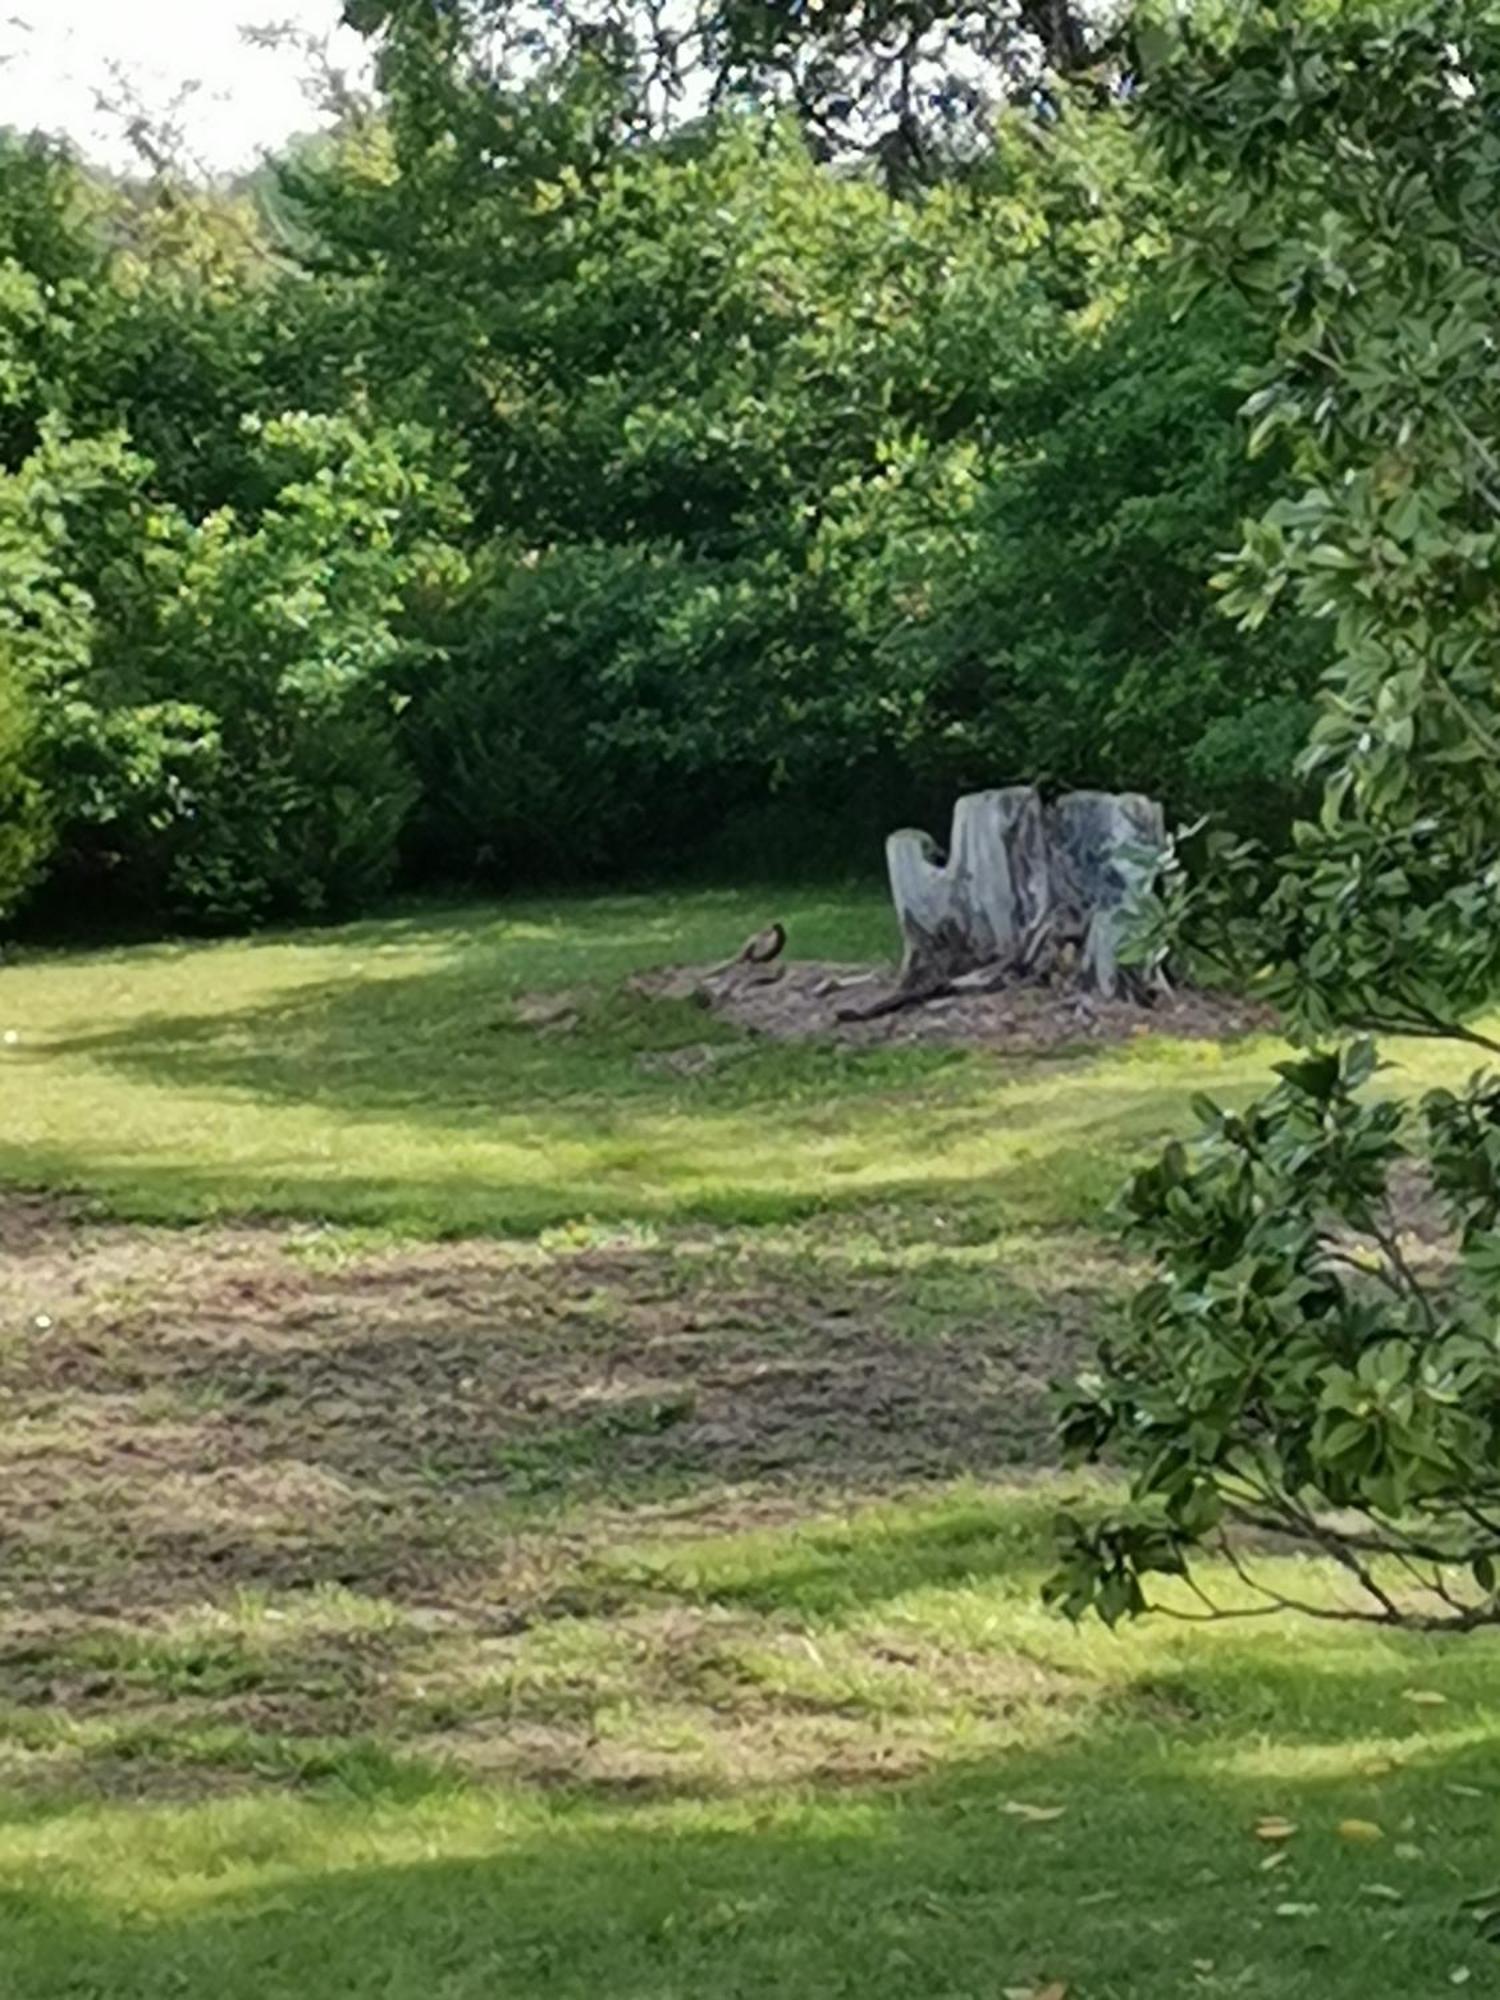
{"points": [[377, 1075], [497, 1508]]}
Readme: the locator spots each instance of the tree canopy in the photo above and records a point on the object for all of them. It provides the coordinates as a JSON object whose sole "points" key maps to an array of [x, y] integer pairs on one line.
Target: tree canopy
{"points": [[610, 489], [911, 84]]}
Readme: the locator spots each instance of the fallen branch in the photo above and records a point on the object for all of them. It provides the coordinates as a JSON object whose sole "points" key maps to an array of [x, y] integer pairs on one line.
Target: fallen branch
{"points": [[734, 978], [895, 1003]]}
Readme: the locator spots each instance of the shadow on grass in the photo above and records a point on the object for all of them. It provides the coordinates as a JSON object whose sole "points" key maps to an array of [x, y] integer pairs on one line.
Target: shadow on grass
{"points": [[1040, 1806], [421, 1101], [220, 1413], [1147, 1882], [617, 932], [445, 1046], [834, 1567]]}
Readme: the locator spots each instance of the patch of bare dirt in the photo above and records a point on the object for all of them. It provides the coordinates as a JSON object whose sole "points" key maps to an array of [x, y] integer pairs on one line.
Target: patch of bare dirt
{"points": [[807, 997], [36, 1221], [416, 1458], [187, 1412]]}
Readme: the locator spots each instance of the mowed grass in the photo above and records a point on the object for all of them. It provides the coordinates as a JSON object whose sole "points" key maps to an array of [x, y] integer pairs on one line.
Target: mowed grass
{"points": [[378, 1075], [593, 1610], [841, 1758]]}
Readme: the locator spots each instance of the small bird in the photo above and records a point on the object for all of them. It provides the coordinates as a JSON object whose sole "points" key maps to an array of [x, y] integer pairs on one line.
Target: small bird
{"points": [[761, 949], [765, 945]]}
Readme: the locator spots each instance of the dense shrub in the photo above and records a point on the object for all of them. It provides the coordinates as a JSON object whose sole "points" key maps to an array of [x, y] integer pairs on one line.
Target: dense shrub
{"points": [[796, 486], [1315, 1351], [25, 832], [214, 728]]}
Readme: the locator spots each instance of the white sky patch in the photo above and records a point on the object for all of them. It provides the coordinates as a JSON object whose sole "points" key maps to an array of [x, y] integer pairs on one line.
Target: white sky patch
{"points": [[56, 56]]}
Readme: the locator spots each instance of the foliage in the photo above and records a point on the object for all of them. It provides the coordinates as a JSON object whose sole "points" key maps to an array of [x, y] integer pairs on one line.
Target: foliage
{"points": [[1294, 1368], [1066, 628], [25, 829], [51, 263], [590, 710], [804, 453], [149, 310], [767, 500], [1297, 1362], [213, 728], [912, 85]]}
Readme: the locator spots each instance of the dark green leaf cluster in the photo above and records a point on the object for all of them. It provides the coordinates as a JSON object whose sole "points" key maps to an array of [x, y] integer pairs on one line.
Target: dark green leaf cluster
{"points": [[1315, 1357], [1299, 1367], [211, 728]]}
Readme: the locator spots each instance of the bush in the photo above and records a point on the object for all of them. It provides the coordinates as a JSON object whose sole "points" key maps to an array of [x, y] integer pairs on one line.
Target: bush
{"points": [[1059, 623], [25, 830], [1305, 1358], [214, 723], [792, 509], [307, 828], [604, 706]]}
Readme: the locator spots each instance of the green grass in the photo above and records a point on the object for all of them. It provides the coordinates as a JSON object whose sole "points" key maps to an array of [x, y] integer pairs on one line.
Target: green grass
{"points": [[377, 1076], [825, 1760], [312, 1686]]}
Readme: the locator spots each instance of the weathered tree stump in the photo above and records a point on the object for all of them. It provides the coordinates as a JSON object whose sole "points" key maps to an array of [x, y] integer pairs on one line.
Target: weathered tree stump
{"points": [[974, 906], [1025, 891]]}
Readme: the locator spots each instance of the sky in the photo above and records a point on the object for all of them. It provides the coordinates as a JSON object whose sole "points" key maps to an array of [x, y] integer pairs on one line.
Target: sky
{"points": [[56, 55]]}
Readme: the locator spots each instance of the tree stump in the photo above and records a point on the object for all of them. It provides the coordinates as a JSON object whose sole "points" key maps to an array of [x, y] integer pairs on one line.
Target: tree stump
{"points": [[973, 906], [1024, 890]]}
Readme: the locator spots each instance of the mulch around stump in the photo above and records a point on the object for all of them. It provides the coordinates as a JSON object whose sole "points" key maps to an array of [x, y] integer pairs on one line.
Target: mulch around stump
{"points": [[806, 997]]}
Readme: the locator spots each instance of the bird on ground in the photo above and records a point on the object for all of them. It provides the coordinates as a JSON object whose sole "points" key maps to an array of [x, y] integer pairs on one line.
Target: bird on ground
{"points": [[765, 945], [761, 949]]}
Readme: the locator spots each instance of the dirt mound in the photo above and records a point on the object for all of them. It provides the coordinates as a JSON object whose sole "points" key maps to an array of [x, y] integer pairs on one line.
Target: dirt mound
{"points": [[805, 997]]}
